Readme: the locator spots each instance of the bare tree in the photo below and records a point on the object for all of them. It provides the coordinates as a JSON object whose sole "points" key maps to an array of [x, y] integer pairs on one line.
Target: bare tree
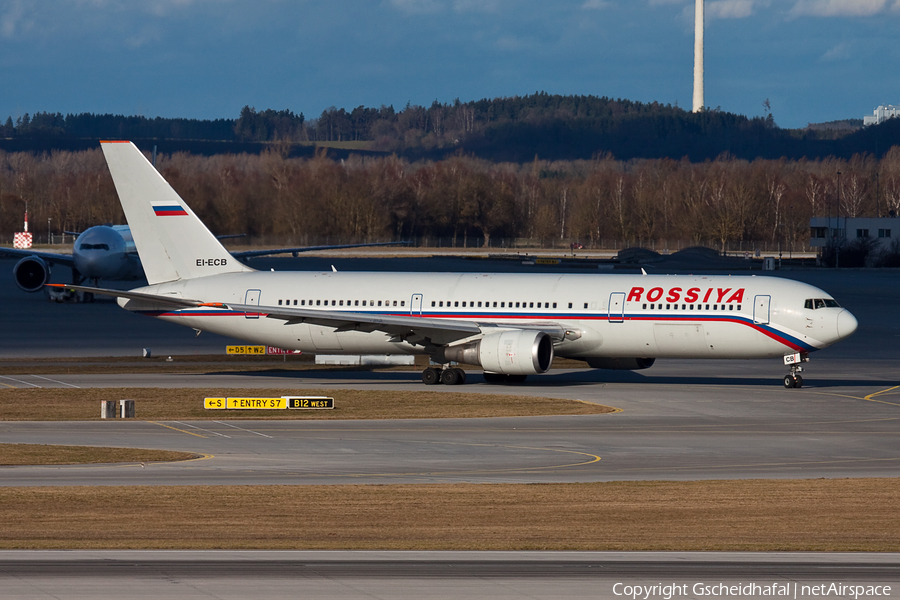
{"points": [[853, 194]]}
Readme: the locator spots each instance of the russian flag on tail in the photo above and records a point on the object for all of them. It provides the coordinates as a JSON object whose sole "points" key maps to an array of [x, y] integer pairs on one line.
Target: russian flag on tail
{"points": [[173, 210]]}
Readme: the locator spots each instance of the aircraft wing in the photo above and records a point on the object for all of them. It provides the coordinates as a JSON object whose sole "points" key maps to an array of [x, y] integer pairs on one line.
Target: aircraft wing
{"points": [[51, 257], [295, 251], [415, 330]]}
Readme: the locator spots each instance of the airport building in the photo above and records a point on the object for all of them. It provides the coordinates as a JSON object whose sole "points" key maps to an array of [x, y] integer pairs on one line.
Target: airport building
{"points": [[882, 113], [882, 229]]}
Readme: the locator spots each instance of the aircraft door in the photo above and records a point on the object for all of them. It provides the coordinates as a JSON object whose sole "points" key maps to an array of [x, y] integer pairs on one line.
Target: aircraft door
{"points": [[415, 305], [617, 307], [761, 309], [252, 297]]}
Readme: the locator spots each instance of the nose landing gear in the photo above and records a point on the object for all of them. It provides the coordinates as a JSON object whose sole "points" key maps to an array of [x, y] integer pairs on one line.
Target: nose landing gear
{"points": [[793, 379]]}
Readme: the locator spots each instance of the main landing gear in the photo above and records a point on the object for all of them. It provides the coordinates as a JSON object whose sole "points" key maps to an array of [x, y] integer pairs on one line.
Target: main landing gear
{"points": [[456, 376], [449, 376], [793, 379]]}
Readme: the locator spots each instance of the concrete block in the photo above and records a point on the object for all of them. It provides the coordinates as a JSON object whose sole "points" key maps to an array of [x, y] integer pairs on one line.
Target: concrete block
{"points": [[126, 409], [107, 409]]}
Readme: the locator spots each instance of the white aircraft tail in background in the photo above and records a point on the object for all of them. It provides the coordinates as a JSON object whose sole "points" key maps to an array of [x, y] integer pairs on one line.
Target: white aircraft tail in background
{"points": [[511, 325]]}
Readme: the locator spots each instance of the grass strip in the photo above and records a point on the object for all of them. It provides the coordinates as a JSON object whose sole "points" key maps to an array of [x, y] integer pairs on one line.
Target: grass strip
{"points": [[756, 515], [52, 454], [55, 404]]}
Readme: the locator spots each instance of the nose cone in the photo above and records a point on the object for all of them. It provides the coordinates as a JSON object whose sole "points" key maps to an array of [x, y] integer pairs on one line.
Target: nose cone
{"points": [[100, 253], [846, 324]]}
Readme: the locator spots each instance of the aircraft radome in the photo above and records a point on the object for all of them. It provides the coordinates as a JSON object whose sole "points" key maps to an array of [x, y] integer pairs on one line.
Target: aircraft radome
{"points": [[511, 325]]}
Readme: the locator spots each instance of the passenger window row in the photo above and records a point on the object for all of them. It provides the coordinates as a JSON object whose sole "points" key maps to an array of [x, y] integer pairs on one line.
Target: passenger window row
{"points": [[472, 304], [282, 302], [691, 306]]}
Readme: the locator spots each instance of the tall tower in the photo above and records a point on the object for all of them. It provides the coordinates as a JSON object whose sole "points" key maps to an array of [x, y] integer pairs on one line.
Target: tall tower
{"points": [[698, 57]]}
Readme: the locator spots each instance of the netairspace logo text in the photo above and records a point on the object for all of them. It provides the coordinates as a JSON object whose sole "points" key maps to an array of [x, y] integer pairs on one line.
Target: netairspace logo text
{"points": [[718, 590]]}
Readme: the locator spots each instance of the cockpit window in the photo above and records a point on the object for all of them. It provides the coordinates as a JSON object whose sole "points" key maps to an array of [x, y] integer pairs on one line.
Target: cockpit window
{"points": [[94, 247], [814, 303]]}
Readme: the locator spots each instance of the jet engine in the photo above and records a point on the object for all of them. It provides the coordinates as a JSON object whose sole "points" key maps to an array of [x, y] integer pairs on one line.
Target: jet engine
{"points": [[31, 273], [514, 352], [621, 364]]}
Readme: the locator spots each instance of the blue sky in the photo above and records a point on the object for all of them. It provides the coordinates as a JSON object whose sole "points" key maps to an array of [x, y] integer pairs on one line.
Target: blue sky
{"points": [[815, 60]]}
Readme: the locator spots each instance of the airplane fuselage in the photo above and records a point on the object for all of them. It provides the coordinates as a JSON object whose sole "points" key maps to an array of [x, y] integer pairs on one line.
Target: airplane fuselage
{"points": [[652, 316]]}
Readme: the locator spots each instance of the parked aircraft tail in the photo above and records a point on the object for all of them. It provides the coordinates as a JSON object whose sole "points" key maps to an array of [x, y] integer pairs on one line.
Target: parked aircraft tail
{"points": [[172, 242]]}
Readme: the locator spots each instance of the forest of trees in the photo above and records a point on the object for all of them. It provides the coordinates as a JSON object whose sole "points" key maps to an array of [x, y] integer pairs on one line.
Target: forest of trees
{"points": [[518, 129], [727, 203]]}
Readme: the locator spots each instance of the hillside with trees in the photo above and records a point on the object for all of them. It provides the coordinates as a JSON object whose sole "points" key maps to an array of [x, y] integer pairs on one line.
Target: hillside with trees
{"points": [[517, 129]]}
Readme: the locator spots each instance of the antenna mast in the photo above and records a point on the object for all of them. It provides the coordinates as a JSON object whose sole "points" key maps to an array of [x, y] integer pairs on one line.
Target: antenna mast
{"points": [[699, 102]]}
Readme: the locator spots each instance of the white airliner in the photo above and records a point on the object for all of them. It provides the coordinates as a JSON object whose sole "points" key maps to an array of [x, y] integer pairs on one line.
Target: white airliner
{"points": [[511, 325], [102, 252]]}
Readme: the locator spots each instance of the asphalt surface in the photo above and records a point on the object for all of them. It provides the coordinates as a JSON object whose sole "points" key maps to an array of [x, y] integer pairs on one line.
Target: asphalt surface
{"points": [[416, 575], [670, 427]]}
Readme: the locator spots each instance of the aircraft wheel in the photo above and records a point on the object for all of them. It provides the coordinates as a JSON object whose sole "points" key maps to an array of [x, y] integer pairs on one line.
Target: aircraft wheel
{"points": [[431, 376], [494, 377], [516, 378], [450, 376], [799, 383], [789, 381], [462, 376]]}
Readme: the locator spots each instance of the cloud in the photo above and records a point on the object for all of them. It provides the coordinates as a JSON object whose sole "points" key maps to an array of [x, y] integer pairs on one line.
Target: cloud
{"points": [[14, 20], [482, 6], [160, 8], [417, 7], [729, 9], [840, 8], [509, 43], [839, 52]]}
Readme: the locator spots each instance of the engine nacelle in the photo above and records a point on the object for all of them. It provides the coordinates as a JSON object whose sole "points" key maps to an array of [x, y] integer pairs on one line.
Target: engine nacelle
{"points": [[621, 364], [31, 273], [509, 352]]}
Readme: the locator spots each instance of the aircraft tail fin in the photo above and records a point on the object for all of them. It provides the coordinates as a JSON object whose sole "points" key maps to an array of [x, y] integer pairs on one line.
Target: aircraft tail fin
{"points": [[172, 242]]}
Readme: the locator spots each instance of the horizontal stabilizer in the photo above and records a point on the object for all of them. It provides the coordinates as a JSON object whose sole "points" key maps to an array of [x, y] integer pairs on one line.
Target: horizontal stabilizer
{"points": [[167, 300]]}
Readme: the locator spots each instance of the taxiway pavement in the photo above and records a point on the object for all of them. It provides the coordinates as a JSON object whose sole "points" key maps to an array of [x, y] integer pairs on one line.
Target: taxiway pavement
{"points": [[415, 575]]}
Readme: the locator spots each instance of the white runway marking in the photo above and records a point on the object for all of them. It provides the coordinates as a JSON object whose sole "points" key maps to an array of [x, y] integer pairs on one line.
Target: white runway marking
{"points": [[19, 381], [57, 381], [202, 429], [242, 429]]}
